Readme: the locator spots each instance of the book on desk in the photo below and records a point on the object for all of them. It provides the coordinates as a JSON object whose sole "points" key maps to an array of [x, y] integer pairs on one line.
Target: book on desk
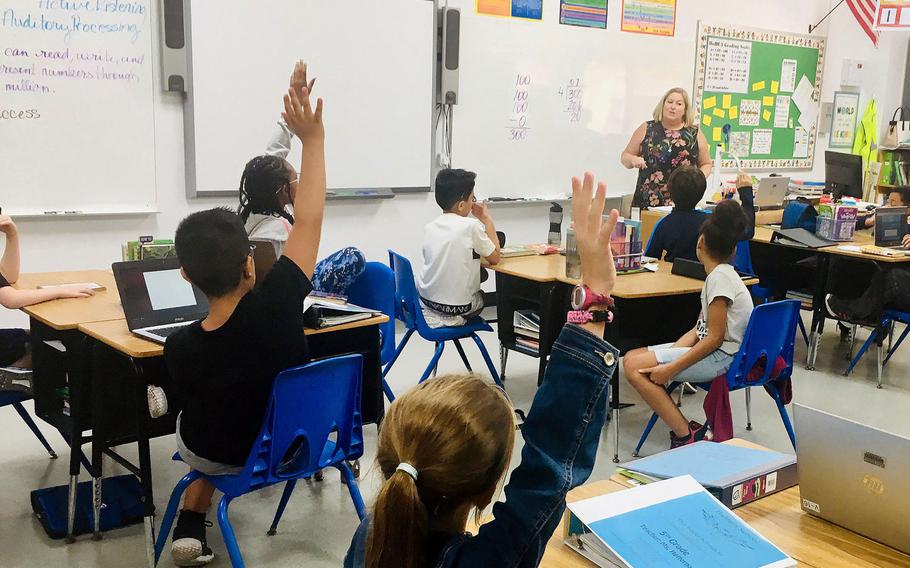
{"points": [[674, 522], [320, 313]]}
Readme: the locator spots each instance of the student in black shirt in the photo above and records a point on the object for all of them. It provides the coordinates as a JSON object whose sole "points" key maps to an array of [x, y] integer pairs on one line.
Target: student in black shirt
{"points": [[224, 365], [676, 235]]}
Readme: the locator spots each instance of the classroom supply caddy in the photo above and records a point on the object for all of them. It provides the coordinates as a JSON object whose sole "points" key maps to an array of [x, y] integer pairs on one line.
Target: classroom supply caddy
{"points": [[836, 222], [626, 246]]}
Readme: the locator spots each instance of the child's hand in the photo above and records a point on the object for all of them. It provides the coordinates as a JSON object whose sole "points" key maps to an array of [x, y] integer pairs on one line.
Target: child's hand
{"points": [[75, 292], [300, 118], [299, 80], [6, 225], [480, 210], [659, 375], [743, 180], [593, 234], [906, 241]]}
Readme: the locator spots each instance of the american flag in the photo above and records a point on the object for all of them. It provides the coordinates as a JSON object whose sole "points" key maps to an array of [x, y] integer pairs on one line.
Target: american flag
{"points": [[864, 12]]}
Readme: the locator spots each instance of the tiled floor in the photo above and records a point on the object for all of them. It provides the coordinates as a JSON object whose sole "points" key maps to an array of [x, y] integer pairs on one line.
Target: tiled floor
{"points": [[320, 519]]}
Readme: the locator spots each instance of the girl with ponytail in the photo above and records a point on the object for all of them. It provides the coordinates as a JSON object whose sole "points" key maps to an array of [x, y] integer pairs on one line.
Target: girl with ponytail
{"points": [[707, 350], [268, 187], [446, 445]]}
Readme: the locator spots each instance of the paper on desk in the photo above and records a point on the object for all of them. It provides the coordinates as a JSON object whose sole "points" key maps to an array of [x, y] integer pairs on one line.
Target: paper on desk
{"points": [[850, 248], [652, 266]]}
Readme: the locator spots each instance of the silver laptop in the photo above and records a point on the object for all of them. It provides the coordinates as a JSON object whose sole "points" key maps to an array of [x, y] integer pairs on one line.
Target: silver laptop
{"points": [[854, 476], [771, 192], [156, 299]]}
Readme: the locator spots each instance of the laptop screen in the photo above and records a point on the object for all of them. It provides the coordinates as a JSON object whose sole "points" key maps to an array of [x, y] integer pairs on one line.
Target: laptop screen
{"points": [[890, 226], [153, 292]]}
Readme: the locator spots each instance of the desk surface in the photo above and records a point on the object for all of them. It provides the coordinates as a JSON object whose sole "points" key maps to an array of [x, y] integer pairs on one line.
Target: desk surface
{"points": [[117, 335], [809, 540], [69, 313], [861, 238], [552, 268]]}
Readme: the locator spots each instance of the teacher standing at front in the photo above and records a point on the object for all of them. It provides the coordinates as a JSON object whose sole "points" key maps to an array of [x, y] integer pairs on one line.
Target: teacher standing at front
{"points": [[661, 145]]}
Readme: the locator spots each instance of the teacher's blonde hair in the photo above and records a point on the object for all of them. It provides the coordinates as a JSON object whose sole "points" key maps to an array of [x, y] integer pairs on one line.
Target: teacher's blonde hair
{"points": [[688, 118]]}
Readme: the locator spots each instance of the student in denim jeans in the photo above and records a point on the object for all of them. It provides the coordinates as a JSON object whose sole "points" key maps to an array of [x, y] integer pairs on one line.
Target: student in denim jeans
{"points": [[446, 445]]}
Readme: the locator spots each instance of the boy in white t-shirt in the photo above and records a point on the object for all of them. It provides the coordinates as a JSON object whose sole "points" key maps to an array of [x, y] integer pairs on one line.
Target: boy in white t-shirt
{"points": [[453, 246]]}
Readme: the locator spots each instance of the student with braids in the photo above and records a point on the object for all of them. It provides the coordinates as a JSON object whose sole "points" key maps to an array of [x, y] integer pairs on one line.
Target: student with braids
{"points": [[445, 446], [268, 188], [707, 350]]}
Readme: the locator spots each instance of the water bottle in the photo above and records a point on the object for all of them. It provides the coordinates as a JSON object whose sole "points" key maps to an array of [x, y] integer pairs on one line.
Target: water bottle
{"points": [[554, 237], [573, 260]]}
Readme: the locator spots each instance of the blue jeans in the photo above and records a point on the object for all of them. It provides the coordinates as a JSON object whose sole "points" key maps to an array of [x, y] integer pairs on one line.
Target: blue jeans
{"points": [[561, 435], [337, 272]]}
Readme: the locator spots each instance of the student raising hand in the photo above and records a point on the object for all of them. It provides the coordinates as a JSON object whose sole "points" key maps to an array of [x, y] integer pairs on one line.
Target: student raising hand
{"points": [[592, 233], [305, 123], [299, 79]]}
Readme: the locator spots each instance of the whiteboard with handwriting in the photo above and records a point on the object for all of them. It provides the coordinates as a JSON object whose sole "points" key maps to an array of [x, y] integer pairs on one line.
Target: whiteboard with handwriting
{"points": [[77, 130]]}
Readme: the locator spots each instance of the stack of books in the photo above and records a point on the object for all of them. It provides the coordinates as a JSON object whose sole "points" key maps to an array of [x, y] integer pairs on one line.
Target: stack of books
{"points": [[526, 325], [805, 187]]}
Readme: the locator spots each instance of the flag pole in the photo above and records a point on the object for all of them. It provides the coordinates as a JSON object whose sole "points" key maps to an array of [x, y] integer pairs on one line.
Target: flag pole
{"points": [[831, 11]]}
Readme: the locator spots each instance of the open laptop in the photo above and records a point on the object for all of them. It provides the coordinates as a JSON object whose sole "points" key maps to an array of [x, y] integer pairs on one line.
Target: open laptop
{"points": [[771, 192], [156, 299], [854, 476], [890, 227]]}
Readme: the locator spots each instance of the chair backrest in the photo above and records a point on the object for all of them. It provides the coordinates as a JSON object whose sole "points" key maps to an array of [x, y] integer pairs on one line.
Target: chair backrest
{"points": [[654, 230], [742, 259], [771, 333], [407, 300], [313, 420], [375, 289]]}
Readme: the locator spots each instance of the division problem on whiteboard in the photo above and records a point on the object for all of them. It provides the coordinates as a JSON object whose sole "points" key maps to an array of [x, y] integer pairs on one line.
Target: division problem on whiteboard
{"points": [[519, 129], [573, 96]]}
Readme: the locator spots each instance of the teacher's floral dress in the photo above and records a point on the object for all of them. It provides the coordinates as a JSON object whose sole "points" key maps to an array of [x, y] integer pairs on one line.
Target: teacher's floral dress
{"points": [[663, 150]]}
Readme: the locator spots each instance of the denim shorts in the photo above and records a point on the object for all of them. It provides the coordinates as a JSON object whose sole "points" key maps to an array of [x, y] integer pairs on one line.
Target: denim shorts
{"points": [[715, 364]]}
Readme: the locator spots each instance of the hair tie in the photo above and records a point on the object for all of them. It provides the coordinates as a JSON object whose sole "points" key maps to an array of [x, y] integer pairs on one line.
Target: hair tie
{"points": [[408, 469]]}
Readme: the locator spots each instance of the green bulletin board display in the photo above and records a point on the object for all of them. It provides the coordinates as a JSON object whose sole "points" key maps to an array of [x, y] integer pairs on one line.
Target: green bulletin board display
{"points": [[765, 85]]}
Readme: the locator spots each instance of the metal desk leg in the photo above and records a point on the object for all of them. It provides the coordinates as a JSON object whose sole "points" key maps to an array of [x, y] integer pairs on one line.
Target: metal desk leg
{"points": [[818, 308], [145, 460], [99, 439], [614, 411]]}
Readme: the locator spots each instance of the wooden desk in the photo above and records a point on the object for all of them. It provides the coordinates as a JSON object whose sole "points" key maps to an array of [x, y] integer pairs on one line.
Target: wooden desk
{"points": [[650, 217], [811, 541], [116, 334], [69, 313]]}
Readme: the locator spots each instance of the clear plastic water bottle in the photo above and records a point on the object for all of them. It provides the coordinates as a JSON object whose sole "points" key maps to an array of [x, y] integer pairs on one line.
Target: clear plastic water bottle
{"points": [[573, 260]]}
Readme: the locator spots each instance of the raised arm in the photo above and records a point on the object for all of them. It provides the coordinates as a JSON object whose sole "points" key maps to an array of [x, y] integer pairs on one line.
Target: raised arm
{"points": [[631, 156], [482, 213], [280, 143], [563, 428], [747, 198], [9, 264], [309, 206]]}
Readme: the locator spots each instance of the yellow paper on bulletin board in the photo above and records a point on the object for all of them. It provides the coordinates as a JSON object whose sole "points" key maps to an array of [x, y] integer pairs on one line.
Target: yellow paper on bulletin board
{"points": [[734, 113], [727, 100], [710, 102], [766, 115], [775, 87], [706, 120], [767, 101], [759, 86], [715, 136], [719, 113]]}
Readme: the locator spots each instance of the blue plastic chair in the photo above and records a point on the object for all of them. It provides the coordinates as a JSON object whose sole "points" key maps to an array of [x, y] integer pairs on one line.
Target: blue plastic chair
{"points": [[409, 311], [15, 399], [770, 334], [313, 421], [375, 289], [878, 335]]}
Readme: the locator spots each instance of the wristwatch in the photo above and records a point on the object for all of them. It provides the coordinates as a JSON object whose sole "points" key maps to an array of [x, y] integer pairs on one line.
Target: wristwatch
{"points": [[583, 316], [583, 298]]}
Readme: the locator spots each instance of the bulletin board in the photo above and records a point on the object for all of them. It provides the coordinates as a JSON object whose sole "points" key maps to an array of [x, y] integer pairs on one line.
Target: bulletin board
{"points": [[766, 86]]}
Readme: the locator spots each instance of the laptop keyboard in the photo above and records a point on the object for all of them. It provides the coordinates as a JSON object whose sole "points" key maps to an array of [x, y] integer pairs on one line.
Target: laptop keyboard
{"points": [[166, 331]]}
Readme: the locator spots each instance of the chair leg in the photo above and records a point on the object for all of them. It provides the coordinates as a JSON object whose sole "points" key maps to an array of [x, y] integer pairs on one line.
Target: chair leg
{"points": [[285, 497], [227, 533], [171, 512], [862, 351], [897, 344], [385, 385], [353, 489], [879, 359], [503, 359], [23, 413], [802, 329], [749, 408], [464, 358], [784, 416], [433, 362], [852, 342], [487, 360]]}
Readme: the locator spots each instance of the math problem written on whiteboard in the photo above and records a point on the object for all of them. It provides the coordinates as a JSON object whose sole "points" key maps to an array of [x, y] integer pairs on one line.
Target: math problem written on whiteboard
{"points": [[519, 129]]}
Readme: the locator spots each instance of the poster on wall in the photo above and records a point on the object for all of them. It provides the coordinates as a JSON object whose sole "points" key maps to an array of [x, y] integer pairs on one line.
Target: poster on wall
{"points": [[653, 17], [893, 15], [585, 13], [520, 9], [843, 119]]}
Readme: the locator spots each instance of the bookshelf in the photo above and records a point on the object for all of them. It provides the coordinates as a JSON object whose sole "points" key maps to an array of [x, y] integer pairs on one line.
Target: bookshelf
{"points": [[886, 177]]}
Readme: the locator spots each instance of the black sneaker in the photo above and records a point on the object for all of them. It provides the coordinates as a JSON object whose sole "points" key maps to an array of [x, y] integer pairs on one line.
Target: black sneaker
{"points": [[697, 433], [188, 545]]}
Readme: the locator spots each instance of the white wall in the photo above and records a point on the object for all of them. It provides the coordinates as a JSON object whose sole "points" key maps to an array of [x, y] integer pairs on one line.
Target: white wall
{"points": [[375, 226]]}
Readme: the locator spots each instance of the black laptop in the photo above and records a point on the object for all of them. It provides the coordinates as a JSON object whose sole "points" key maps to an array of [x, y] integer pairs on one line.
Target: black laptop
{"points": [[156, 299], [890, 227]]}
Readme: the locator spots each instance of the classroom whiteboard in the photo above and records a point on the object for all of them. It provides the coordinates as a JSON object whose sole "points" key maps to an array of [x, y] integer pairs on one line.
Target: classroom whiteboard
{"points": [[373, 62], [765, 85], [77, 129]]}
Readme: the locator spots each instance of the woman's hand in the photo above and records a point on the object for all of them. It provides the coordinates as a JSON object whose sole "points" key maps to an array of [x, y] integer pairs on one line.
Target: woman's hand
{"points": [[638, 162], [592, 233]]}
